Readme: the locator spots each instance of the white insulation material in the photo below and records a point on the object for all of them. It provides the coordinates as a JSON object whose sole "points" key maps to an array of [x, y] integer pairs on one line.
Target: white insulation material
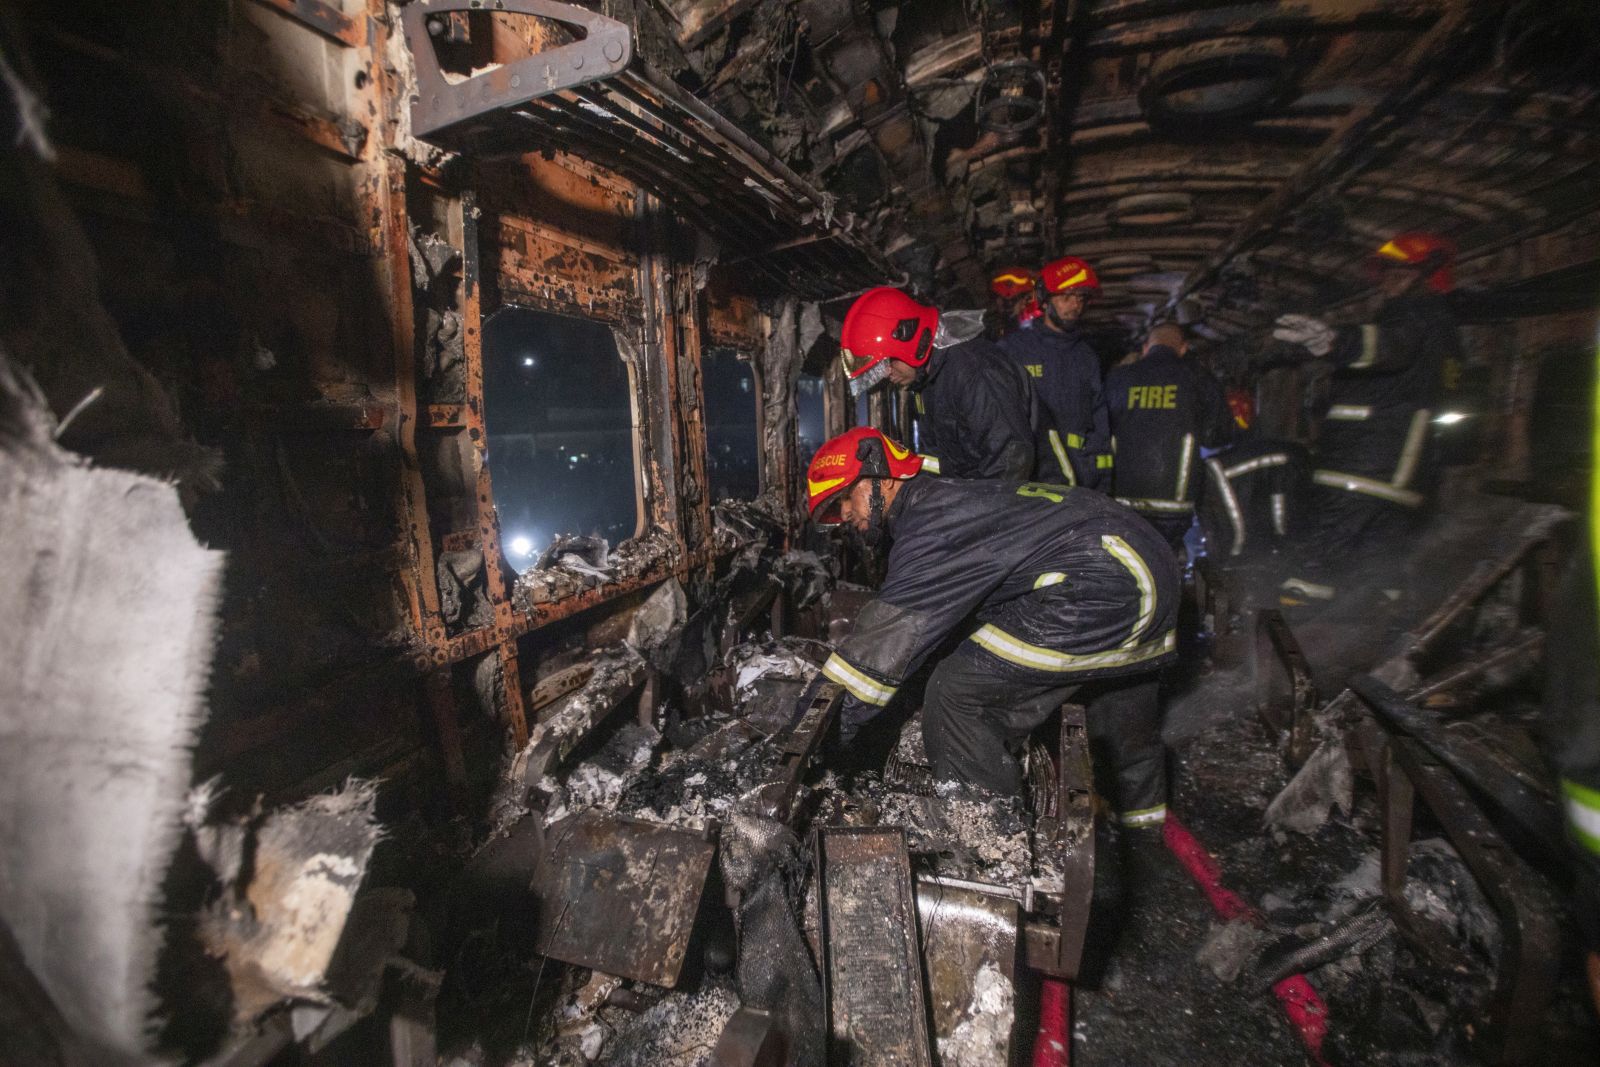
{"points": [[107, 616]]}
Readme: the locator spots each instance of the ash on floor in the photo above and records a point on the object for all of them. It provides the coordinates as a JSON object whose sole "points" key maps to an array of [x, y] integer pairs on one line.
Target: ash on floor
{"points": [[1174, 988]]}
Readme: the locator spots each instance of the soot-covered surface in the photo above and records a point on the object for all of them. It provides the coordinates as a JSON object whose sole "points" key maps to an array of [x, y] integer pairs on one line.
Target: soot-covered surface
{"points": [[1175, 986]]}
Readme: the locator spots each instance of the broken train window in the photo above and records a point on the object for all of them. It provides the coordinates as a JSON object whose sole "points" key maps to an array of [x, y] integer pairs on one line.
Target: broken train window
{"points": [[558, 410], [733, 434]]}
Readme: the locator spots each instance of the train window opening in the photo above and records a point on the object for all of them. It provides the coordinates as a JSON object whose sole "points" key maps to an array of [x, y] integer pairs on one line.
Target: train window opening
{"points": [[733, 435], [811, 416], [558, 410]]}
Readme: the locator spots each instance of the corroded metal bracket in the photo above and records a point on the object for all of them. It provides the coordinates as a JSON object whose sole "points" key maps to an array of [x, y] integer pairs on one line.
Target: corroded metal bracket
{"points": [[605, 47]]}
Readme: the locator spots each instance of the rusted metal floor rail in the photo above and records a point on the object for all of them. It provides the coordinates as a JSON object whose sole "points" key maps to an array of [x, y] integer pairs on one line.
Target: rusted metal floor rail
{"points": [[1530, 948], [1284, 699]]}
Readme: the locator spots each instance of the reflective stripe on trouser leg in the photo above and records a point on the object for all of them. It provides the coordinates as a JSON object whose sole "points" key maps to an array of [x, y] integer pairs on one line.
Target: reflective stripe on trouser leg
{"points": [[975, 718], [1583, 814], [1124, 720], [1230, 504]]}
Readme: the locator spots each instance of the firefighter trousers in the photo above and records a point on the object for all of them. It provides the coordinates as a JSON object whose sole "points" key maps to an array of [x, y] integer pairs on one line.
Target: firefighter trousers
{"points": [[978, 711]]}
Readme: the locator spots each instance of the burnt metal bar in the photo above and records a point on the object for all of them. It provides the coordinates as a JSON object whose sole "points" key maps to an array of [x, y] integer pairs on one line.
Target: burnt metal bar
{"points": [[1291, 710], [1075, 829], [873, 974], [1489, 573], [497, 574], [1526, 643], [1531, 946], [1397, 810], [1536, 815], [797, 744]]}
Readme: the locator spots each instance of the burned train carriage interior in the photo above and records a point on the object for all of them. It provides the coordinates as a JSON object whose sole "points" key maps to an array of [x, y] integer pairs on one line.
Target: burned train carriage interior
{"points": [[741, 533]]}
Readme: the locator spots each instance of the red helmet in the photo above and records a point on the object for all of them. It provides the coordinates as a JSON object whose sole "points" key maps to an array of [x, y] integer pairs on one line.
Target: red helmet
{"points": [[855, 454], [1030, 311], [1427, 251], [885, 323], [1066, 274], [1242, 403], [1012, 282]]}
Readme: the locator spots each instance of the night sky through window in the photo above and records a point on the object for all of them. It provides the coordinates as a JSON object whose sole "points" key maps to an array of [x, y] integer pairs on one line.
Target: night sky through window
{"points": [[557, 411], [733, 453]]}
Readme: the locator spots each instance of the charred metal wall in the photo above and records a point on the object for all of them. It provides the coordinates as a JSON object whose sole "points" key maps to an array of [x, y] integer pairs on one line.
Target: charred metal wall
{"points": [[284, 295]]}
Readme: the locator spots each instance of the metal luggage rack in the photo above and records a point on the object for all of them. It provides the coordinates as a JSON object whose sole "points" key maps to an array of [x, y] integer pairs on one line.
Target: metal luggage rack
{"points": [[594, 98]]}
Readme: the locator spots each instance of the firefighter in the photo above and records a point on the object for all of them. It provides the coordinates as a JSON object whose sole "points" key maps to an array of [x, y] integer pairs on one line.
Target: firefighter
{"points": [[975, 409], [1373, 464], [1074, 443], [1012, 290], [1570, 736], [1055, 587], [1164, 408]]}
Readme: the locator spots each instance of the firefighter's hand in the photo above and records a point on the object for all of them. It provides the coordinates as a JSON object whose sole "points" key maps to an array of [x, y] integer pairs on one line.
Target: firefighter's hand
{"points": [[1314, 335]]}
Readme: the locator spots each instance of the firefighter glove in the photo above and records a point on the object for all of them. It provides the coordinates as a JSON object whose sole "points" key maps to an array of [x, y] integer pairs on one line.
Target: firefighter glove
{"points": [[1314, 335]]}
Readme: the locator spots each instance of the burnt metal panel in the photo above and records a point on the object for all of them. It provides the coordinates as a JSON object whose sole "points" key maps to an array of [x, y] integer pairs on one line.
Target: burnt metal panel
{"points": [[966, 932], [620, 895], [877, 1012]]}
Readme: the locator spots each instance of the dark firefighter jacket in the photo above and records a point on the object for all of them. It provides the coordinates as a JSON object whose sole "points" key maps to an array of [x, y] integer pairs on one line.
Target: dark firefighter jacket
{"points": [[1061, 584], [1073, 445], [1388, 377], [975, 413], [1164, 408]]}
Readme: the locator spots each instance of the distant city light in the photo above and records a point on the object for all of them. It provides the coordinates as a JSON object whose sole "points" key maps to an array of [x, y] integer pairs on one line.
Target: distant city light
{"points": [[528, 361], [521, 546], [1449, 418]]}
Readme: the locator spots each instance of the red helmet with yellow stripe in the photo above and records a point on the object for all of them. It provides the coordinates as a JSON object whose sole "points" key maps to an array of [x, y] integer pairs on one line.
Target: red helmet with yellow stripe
{"points": [[1009, 283], [855, 454], [1067, 274], [1425, 251]]}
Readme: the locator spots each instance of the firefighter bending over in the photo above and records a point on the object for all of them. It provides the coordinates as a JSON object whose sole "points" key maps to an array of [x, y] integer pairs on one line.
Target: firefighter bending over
{"points": [[1060, 588], [1074, 442], [1164, 408], [975, 410], [1374, 468]]}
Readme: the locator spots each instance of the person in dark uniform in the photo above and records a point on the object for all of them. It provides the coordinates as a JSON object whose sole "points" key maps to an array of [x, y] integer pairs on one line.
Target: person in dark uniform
{"points": [[1374, 468], [1164, 408], [1060, 588], [975, 409], [1074, 442]]}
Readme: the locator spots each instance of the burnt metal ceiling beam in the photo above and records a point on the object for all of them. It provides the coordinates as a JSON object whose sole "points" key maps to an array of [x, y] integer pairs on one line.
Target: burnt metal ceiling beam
{"points": [[1304, 16], [1425, 69]]}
